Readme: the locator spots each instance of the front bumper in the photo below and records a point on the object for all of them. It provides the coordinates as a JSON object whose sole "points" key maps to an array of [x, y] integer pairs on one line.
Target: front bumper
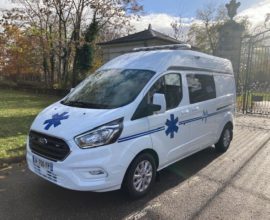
{"points": [[78, 170]]}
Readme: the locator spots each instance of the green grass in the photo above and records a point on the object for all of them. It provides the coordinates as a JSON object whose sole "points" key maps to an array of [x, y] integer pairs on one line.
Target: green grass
{"points": [[17, 112], [240, 98]]}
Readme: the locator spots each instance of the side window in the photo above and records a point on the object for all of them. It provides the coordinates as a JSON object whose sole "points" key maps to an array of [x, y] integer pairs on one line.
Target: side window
{"points": [[173, 90], [170, 85], [158, 87], [200, 87]]}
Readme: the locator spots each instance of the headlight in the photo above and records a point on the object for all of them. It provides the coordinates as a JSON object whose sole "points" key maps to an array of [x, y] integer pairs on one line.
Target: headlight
{"points": [[103, 135]]}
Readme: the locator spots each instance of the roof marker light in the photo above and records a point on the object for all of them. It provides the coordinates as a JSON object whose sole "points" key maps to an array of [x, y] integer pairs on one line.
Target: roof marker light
{"points": [[164, 47]]}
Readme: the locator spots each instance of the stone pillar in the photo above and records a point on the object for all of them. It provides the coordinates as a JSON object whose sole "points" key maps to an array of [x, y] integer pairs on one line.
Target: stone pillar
{"points": [[230, 37], [229, 43]]}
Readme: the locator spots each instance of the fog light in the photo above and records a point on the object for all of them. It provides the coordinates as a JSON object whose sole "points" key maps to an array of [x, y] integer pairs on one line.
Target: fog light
{"points": [[92, 173], [97, 172]]}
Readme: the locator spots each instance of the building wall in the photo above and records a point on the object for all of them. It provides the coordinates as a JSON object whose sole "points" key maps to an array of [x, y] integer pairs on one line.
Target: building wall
{"points": [[114, 50]]}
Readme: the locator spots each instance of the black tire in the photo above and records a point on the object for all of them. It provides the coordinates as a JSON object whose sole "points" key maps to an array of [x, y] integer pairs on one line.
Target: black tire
{"points": [[130, 179], [225, 139]]}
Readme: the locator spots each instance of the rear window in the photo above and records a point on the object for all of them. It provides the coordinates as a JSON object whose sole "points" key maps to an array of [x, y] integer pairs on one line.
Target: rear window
{"points": [[201, 87]]}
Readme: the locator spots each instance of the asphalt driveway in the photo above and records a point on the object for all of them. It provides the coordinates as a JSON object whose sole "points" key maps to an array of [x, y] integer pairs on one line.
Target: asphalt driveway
{"points": [[207, 185]]}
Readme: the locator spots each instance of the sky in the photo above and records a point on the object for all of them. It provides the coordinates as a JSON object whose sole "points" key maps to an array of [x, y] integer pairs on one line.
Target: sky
{"points": [[187, 8], [161, 13]]}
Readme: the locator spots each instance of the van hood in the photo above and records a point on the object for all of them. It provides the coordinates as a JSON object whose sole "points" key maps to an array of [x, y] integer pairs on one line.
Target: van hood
{"points": [[66, 122]]}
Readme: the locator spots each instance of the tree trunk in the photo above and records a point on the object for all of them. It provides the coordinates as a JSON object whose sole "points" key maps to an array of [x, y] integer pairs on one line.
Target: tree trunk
{"points": [[45, 70], [52, 58], [209, 38], [75, 68], [75, 61]]}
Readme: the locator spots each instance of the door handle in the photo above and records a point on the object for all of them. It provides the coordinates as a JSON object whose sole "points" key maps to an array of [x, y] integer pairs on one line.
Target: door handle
{"points": [[195, 109], [185, 112]]}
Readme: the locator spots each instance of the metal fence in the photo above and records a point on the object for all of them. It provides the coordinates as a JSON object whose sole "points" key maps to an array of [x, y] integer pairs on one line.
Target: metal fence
{"points": [[253, 80]]}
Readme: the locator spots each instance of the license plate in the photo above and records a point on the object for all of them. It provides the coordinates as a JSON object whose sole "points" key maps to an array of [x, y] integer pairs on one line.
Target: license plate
{"points": [[48, 166]]}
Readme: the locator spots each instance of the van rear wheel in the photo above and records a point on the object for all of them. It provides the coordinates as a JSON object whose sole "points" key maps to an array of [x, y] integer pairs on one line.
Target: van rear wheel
{"points": [[140, 175], [225, 139]]}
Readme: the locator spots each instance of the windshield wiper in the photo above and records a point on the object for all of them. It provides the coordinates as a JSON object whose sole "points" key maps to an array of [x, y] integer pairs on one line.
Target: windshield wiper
{"points": [[83, 104], [76, 103]]}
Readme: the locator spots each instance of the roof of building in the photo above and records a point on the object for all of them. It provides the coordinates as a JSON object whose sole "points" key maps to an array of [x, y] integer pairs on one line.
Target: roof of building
{"points": [[148, 34], [162, 60]]}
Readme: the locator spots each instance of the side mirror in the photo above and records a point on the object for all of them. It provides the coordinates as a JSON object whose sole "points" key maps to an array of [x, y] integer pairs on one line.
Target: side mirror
{"points": [[159, 100], [71, 90], [152, 108]]}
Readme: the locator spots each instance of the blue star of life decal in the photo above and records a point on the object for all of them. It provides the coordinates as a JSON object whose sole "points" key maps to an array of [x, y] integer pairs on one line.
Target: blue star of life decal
{"points": [[171, 126], [55, 120]]}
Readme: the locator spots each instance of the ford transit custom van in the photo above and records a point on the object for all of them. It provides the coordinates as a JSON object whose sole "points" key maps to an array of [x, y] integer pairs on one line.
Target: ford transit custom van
{"points": [[134, 116]]}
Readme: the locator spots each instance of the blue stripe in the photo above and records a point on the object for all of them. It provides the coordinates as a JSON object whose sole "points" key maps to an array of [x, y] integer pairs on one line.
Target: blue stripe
{"points": [[202, 117], [141, 134], [218, 112], [145, 132], [163, 127], [191, 120]]}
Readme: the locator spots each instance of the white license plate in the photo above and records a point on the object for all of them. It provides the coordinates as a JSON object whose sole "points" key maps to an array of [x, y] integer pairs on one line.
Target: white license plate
{"points": [[48, 166]]}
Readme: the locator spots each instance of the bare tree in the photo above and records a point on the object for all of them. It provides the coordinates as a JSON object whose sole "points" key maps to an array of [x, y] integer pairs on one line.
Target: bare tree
{"points": [[179, 32], [204, 31], [62, 26]]}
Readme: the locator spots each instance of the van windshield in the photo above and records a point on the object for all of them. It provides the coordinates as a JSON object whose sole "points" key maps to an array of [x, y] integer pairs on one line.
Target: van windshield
{"points": [[108, 89]]}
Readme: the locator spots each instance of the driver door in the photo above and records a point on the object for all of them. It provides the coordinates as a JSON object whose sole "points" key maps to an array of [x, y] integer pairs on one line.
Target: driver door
{"points": [[171, 141]]}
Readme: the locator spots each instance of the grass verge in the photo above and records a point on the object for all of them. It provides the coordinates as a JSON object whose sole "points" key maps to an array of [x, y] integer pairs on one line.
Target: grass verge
{"points": [[17, 111]]}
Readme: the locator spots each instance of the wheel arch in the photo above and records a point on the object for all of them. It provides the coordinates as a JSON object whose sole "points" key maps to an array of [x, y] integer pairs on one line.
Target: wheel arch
{"points": [[228, 119], [223, 125], [230, 124], [150, 151]]}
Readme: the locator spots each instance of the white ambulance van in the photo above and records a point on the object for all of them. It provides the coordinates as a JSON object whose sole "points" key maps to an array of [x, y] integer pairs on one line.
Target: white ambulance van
{"points": [[134, 116]]}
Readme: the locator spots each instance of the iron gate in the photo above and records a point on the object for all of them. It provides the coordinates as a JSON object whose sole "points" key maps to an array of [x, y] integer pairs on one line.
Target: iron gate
{"points": [[253, 80]]}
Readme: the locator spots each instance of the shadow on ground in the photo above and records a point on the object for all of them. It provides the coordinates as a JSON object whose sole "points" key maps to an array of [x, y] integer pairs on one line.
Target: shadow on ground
{"points": [[47, 198]]}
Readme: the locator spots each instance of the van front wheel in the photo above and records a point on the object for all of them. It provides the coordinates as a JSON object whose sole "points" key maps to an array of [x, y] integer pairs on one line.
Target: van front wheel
{"points": [[140, 175], [225, 139]]}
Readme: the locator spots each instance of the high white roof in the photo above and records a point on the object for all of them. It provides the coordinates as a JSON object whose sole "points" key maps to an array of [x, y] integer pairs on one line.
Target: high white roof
{"points": [[160, 60]]}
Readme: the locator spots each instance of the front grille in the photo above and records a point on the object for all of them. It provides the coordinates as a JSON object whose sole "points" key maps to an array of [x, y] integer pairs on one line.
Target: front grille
{"points": [[48, 147]]}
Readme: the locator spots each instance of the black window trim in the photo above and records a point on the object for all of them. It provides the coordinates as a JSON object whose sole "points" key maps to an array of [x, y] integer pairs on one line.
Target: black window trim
{"points": [[181, 82], [202, 74], [135, 117]]}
